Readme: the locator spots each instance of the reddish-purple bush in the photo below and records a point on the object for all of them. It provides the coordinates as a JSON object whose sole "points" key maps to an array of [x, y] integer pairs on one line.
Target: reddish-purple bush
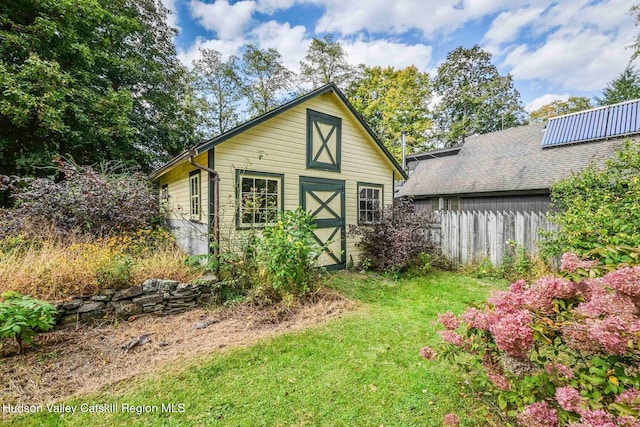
{"points": [[84, 202], [560, 351], [397, 240]]}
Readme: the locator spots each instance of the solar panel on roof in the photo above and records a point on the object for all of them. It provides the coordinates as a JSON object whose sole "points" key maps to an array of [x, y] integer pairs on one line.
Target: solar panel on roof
{"points": [[600, 123]]}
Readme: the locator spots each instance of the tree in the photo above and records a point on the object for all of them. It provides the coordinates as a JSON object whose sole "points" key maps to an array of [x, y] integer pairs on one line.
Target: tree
{"points": [[597, 206], [625, 87], [219, 91], [475, 98], [325, 62], [559, 107], [392, 101], [265, 78], [635, 12], [94, 80]]}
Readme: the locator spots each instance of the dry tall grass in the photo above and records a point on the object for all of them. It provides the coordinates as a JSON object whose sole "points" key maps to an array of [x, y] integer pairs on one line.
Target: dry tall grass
{"points": [[55, 270]]}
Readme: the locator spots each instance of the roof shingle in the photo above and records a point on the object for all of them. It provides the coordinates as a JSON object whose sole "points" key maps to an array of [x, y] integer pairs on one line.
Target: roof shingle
{"points": [[503, 161]]}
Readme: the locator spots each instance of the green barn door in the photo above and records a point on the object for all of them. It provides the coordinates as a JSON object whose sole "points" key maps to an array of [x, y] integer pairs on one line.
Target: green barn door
{"points": [[324, 198]]}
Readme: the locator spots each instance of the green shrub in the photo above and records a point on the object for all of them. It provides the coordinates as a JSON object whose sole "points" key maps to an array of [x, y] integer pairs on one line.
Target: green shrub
{"points": [[115, 273], [22, 317], [597, 207], [287, 255]]}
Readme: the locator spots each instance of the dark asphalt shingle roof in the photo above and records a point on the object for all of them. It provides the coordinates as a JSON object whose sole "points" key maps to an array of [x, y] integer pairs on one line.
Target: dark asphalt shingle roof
{"points": [[508, 160]]}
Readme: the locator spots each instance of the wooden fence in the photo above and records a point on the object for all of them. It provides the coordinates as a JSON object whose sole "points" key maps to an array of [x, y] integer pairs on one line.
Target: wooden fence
{"points": [[468, 237]]}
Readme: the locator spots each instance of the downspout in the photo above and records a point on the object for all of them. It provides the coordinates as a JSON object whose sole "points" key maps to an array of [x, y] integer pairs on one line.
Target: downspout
{"points": [[214, 178]]}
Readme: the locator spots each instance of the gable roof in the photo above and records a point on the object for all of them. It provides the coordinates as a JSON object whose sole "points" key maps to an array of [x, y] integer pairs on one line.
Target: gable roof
{"points": [[330, 87], [511, 160]]}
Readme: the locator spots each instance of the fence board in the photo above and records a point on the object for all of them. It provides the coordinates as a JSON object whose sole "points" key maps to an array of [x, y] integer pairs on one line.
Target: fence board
{"points": [[467, 237]]}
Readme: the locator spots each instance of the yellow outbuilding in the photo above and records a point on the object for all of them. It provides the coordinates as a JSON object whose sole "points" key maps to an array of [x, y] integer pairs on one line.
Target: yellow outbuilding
{"points": [[315, 151]]}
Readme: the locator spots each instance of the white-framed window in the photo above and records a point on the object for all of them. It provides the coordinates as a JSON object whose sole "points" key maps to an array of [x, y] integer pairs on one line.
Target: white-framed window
{"points": [[445, 204], [194, 194], [370, 203], [164, 193], [260, 198]]}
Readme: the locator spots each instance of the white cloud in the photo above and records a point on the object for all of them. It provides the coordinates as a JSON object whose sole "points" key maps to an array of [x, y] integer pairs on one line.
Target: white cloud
{"points": [[229, 21], [172, 16], [545, 99], [225, 47], [270, 6], [586, 61], [289, 41], [385, 53], [507, 25], [431, 17]]}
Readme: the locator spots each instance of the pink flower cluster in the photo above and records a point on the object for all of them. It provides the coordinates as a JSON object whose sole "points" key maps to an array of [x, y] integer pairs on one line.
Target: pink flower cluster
{"points": [[512, 332], [571, 262], [476, 318], [449, 320], [599, 418], [451, 420], [537, 415], [630, 397], [625, 280], [553, 369], [499, 380], [541, 294], [506, 301], [428, 353], [614, 333], [569, 399], [601, 302], [452, 338]]}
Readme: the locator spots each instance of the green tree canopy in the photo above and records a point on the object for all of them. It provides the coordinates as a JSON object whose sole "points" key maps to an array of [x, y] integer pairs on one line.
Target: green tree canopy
{"points": [[325, 62], [265, 79], [598, 206], [94, 80], [392, 101], [219, 90], [625, 87], [475, 98], [559, 107]]}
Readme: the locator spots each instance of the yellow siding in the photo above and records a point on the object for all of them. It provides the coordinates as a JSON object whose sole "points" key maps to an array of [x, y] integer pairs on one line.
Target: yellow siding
{"points": [[178, 181], [278, 145]]}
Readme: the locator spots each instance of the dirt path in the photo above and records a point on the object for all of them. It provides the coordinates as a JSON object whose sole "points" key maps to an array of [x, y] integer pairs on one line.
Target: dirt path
{"points": [[78, 361]]}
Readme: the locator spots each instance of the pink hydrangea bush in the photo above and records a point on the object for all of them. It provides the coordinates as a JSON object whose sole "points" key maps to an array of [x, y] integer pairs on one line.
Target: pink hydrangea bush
{"points": [[562, 351]]}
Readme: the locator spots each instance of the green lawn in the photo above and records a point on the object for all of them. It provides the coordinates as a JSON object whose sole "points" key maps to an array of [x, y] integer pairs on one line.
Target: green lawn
{"points": [[363, 369]]}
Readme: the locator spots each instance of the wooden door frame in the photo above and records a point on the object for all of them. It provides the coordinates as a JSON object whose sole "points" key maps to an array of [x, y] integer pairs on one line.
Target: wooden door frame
{"points": [[325, 184]]}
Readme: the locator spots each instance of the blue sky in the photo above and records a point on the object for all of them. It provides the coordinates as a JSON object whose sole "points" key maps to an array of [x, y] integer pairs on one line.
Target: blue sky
{"points": [[553, 49]]}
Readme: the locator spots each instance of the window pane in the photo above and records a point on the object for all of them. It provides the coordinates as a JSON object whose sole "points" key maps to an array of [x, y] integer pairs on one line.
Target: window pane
{"points": [[363, 205], [247, 183], [376, 194], [272, 186], [261, 184], [369, 216], [363, 193], [272, 201]]}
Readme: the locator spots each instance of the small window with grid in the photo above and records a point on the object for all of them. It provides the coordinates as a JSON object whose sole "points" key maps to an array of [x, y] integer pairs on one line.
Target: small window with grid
{"points": [[194, 194], [369, 203], [260, 200]]}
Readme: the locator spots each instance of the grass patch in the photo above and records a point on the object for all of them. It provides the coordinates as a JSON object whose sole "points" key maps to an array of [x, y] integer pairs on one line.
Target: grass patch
{"points": [[362, 369]]}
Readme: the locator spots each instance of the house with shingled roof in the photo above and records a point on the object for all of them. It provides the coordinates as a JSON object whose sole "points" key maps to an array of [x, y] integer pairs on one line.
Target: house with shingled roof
{"points": [[513, 170]]}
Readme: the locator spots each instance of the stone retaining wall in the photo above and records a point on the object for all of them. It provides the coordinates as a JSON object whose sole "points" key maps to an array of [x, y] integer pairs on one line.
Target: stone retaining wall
{"points": [[155, 296]]}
